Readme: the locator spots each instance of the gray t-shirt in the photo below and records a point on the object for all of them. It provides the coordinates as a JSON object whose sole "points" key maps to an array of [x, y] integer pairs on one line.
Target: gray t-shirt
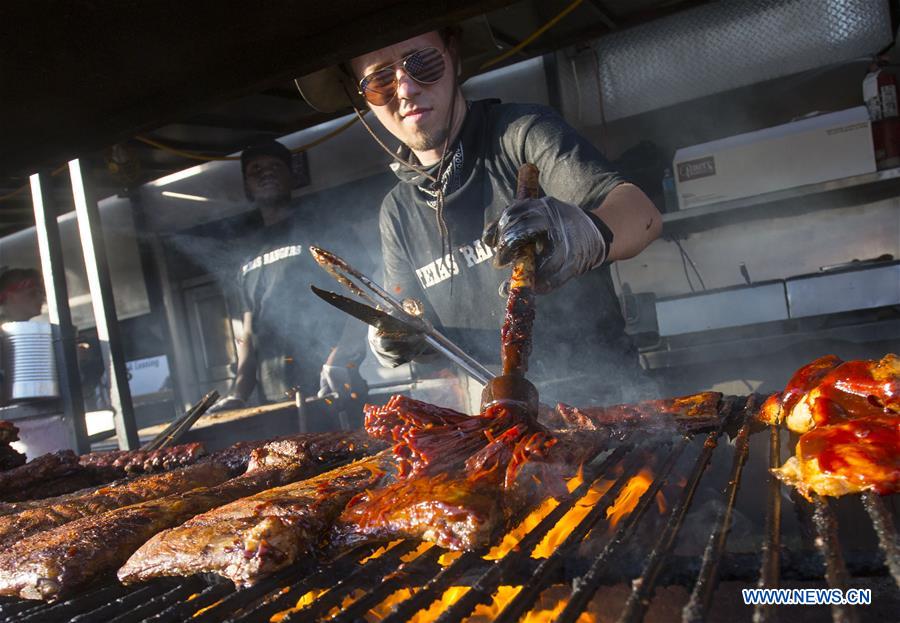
{"points": [[579, 327]]}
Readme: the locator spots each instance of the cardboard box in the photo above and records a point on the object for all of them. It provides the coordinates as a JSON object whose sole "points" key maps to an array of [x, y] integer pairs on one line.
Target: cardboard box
{"points": [[812, 150]]}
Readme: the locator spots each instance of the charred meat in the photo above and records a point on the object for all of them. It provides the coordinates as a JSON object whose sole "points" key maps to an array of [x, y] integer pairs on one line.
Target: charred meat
{"points": [[23, 479], [258, 535], [55, 562], [694, 413], [17, 526], [116, 464]]}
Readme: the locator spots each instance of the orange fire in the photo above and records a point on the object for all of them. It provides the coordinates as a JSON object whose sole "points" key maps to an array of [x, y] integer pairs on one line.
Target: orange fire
{"points": [[511, 539], [628, 498]]}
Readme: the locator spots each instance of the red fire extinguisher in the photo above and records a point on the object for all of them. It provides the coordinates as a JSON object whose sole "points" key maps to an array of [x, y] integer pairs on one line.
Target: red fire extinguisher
{"points": [[880, 96]]}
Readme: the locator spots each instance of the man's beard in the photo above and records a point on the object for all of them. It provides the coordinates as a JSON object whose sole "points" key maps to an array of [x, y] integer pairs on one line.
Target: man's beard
{"points": [[426, 140]]}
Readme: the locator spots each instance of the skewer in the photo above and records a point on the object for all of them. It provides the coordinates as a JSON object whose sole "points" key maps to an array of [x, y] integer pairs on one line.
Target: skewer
{"points": [[887, 533], [698, 606], [770, 569]]}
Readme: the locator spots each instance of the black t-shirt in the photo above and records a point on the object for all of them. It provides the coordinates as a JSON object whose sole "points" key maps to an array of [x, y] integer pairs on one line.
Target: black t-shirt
{"points": [[579, 327], [294, 330]]}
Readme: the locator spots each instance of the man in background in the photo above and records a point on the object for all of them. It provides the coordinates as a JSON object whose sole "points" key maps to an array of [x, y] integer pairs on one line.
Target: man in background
{"points": [[291, 340]]}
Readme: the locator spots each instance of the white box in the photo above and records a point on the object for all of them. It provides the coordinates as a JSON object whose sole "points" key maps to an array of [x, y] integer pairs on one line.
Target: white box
{"points": [[812, 150]]}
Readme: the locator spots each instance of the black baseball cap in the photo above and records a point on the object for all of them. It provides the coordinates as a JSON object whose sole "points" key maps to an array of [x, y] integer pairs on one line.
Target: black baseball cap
{"points": [[265, 148]]}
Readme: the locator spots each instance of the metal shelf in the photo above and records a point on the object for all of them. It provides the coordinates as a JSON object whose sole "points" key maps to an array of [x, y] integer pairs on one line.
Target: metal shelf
{"points": [[844, 192]]}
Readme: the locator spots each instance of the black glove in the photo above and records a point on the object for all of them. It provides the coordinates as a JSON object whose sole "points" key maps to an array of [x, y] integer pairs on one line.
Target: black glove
{"points": [[227, 403], [569, 241], [394, 348], [345, 381]]}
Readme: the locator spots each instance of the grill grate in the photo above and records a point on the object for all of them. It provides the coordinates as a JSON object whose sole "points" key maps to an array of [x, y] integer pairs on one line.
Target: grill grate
{"points": [[348, 587]]}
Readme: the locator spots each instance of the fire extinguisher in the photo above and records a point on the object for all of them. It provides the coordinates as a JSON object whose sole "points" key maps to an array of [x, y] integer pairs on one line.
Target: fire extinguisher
{"points": [[880, 96]]}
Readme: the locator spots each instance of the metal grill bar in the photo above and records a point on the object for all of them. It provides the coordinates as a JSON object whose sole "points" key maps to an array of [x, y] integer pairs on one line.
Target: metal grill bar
{"points": [[185, 609], [485, 586], [701, 597], [770, 570], [887, 533], [273, 604], [526, 598], [835, 570], [391, 583], [436, 587], [585, 586], [643, 589], [97, 610], [363, 577], [159, 602], [232, 602]]}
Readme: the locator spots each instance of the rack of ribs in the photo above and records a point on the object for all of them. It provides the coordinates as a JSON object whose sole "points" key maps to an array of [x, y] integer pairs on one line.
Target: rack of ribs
{"points": [[55, 562], [695, 412], [119, 463], [15, 527], [462, 509], [848, 414], [253, 537]]}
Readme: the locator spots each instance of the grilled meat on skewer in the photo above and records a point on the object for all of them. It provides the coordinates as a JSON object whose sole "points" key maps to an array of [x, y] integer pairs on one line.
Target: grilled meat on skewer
{"points": [[849, 414], [29, 521], [857, 455], [694, 412], [258, 535]]}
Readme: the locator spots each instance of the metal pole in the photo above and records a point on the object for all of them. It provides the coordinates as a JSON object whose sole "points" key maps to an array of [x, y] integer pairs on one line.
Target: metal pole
{"points": [[64, 337], [97, 267], [148, 248]]}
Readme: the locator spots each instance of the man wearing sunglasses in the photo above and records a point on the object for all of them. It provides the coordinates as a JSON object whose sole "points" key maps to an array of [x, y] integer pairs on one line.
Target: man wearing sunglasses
{"points": [[453, 214]]}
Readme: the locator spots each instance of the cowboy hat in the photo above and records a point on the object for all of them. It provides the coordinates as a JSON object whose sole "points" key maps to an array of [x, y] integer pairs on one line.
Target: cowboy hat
{"points": [[333, 89]]}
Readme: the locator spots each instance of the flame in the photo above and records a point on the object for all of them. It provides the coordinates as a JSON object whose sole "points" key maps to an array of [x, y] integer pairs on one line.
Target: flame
{"points": [[423, 547], [511, 539], [448, 558], [661, 502], [572, 518], [628, 498], [381, 551], [305, 600], [502, 597]]}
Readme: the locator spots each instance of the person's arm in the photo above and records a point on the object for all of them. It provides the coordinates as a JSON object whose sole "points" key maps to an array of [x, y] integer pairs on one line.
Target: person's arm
{"points": [[589, 215], [633, 219], [245, 379]]}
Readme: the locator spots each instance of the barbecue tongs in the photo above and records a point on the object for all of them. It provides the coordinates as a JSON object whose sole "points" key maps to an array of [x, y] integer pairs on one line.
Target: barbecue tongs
{"points": [[386, 313]]}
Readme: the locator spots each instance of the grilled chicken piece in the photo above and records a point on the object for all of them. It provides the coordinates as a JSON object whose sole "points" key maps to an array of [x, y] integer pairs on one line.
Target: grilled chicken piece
{"points": [[694, 412], [853, 385], [852, 456], [255, 536], [778, 406], [849, 414], [17, 526]]}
